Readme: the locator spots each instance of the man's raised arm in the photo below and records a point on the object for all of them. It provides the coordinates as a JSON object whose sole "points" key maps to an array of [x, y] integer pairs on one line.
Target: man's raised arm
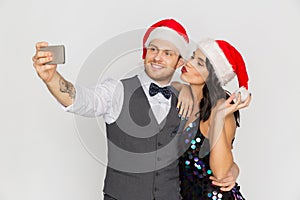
{"points": [[61, 89]]}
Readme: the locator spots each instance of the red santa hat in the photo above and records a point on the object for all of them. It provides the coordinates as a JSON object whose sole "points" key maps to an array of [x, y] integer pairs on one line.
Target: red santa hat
{"points": [[227, 63], [169, 30]]}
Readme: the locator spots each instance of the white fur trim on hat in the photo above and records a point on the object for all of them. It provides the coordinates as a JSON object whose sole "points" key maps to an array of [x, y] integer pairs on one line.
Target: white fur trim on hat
{"points": [[168, 34], [216, 56]]}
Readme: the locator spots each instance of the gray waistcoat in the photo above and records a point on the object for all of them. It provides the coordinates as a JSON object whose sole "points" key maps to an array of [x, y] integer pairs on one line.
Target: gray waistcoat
{"points": [[142, 154]]}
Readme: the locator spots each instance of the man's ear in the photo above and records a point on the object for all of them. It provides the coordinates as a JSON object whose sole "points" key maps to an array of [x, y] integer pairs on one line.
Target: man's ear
{"points": [[180, 62]]}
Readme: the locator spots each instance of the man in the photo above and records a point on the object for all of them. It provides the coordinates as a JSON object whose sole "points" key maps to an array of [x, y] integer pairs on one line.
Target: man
{"points": [[140, 115]]}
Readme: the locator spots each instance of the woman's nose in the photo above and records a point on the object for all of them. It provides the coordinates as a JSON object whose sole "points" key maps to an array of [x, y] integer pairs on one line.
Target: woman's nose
{"points": [[188, 63]]}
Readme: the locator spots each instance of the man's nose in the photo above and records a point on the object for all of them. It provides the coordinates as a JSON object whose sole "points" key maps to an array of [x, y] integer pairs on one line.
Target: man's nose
{"points": [[158, 56]]}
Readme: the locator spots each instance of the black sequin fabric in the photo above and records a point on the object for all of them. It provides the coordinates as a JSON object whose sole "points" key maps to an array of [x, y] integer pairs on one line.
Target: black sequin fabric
{"points": [[195, 170]]}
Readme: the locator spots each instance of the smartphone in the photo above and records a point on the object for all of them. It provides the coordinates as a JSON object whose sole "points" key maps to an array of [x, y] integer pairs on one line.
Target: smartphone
{"points": [[58, 53]]}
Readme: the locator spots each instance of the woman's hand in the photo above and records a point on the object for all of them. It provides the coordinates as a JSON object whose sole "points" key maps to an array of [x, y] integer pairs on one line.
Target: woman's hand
{"points": [[227, 183], [225, 107], [185, 102]]}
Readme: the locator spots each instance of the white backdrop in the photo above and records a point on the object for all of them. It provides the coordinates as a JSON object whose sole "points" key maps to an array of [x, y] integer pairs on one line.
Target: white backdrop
{"points": [[41, 155]]}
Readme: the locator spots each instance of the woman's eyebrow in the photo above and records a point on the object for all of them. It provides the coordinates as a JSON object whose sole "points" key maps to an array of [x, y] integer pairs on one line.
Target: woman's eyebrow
{"points": [[200, 59]]}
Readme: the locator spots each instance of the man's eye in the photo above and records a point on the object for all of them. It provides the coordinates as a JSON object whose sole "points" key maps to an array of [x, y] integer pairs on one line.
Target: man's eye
{"points": [[153, 49], [192, 57], [169, 53]]}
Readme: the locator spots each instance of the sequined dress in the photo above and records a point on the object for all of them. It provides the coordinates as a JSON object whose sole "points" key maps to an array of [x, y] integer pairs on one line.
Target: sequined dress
{"points": [[195, 170]]}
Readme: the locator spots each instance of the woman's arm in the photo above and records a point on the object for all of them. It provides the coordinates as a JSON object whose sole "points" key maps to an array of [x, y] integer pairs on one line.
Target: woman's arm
{"points": [[221, 132]]}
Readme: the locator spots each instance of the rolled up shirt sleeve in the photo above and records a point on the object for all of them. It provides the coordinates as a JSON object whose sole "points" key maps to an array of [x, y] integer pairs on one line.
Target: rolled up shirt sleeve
{"points": [[105, 99]]}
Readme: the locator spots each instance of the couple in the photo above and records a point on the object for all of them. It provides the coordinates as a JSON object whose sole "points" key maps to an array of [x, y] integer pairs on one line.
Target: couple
{"points": [[142, 120]]}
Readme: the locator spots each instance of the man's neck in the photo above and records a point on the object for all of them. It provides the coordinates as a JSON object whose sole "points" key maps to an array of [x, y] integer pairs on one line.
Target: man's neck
{"points": [[147, 79]]}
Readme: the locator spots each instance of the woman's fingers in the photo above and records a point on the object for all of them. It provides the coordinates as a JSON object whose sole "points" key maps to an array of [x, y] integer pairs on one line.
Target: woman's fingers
{"points": [[178, 105], [222, 182], [190, 109], [239, 99], [180, 108], [228, 188], [226, 184], [245, 103], [183, 110], [231, 98]]}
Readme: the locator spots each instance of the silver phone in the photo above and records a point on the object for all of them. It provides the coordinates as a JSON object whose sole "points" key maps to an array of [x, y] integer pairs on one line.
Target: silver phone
{"points": [[58, 53]]}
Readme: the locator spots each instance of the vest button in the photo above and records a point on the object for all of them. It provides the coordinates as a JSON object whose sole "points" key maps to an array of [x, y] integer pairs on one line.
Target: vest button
{"points": [[159, 144]]}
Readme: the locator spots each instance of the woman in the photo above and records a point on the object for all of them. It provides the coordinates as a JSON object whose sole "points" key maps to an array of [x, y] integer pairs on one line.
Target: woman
{"points": [[210, 131]]}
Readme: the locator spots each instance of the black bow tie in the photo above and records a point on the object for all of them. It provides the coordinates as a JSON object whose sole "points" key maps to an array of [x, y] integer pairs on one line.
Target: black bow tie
{"points": [[154, 89]]}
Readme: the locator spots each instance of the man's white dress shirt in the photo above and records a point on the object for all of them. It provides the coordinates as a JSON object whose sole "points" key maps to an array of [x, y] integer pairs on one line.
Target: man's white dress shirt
{"points": [[106, 99]]}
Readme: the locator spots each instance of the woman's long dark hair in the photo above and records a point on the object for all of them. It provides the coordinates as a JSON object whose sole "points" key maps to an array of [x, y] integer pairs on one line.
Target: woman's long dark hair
{"points": [[212, 92]]}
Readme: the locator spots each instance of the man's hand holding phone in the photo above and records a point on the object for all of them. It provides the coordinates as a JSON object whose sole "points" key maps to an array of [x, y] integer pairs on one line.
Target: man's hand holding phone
{"points": [[46, 59]]}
